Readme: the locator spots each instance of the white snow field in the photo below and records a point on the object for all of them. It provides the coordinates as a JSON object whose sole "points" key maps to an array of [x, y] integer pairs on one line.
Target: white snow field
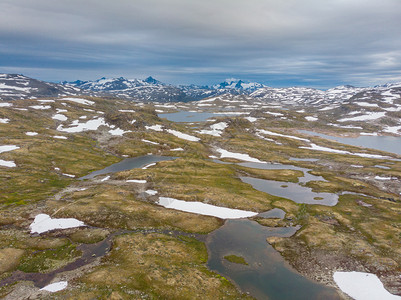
{"points": [[7, 163], [326, 149], [367, 117], [240, 156], [183, 136], [136, 181], [43, 223], [79, 127], [205, 209], [215, 129], [79, 100], [267, 132], [362, 286], [55, 287]]}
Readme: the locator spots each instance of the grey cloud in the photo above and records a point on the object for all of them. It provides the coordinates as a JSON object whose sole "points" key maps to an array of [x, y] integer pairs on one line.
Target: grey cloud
{"points": [[350, 40]]}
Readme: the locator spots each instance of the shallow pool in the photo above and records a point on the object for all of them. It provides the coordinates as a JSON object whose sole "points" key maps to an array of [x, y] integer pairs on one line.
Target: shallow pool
{"points": [[128, 164], [390, 144], [267, 275]]}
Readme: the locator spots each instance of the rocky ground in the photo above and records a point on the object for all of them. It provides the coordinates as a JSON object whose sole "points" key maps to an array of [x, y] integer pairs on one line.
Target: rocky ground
{"points": [[134, 248]]}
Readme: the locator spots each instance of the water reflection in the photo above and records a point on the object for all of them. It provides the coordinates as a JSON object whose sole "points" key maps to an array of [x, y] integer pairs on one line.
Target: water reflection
{"points": [[267, 274], [384, 143], [128, 164]]}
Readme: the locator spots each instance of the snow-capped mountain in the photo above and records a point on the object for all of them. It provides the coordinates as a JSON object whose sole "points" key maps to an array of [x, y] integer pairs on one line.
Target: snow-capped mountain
{"points": [[238, 84], [148, 89], [151, 89], [13, 86], [16, 86], [306, 96]]}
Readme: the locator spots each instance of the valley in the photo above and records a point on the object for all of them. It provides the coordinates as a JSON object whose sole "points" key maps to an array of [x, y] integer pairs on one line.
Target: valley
{"points": [[183, 196]]}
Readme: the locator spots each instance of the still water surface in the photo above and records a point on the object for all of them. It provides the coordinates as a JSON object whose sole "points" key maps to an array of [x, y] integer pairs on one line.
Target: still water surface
{"points": [[193, 116], [267, 275], [128, 164], [390, 144]]}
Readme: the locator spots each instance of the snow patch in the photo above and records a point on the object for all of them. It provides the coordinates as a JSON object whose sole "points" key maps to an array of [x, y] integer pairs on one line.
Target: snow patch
{"points": [[367, 117], [215, 129], [136, 181], [183, 136], [151, 192], [7, 163], [240, 156], [155, 127], [60, 117], [79, 127], [55, 287], [43, 223], [40, 107], [326, 149], [367, 104], [6, 148], [148, 166], [392, 129], [46, 101], [69, 175], [118, 132], [150, 142], [205, 209], [31, 133], [79, 100], [383, 178], [105, 178], [251, 119], [311, 119], [262, 131], [362, 286]]}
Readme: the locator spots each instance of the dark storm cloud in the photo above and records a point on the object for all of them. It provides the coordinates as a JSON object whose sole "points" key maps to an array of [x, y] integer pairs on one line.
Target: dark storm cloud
{"points": [[307, 42]]}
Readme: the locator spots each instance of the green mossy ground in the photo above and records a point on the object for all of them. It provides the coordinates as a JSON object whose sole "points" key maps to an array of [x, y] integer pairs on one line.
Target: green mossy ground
{"points": [[162, 265], [236, 259]]}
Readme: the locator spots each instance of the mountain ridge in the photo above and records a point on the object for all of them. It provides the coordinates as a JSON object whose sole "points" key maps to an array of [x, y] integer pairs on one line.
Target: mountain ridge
{"points": [[17, 86]]}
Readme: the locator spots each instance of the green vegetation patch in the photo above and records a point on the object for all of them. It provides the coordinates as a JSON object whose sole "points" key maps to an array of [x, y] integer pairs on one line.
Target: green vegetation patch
{"points": [[193, 179], [161, 266], [236, 259], [48, 260], [117, 207]]}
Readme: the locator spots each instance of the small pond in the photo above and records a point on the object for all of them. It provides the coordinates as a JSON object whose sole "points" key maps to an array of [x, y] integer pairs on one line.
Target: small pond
{"points": [[292, 191], [267, 275], [390, 144], [304, 159], [193, 116], [128, 164], [187, 116], [275, 213], [276, 166]]}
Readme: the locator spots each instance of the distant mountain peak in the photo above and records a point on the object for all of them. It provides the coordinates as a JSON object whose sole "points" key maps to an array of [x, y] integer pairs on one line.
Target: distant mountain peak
{"points": [[151, 80], [238, 84]]}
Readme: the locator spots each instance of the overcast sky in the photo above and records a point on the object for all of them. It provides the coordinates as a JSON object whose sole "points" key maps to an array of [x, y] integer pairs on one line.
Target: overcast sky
{"points": [[319, 43]]}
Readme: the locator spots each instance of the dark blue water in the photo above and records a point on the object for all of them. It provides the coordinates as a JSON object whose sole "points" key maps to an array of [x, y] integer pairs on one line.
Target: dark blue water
{"points": [[128, 164], [267, 275]]}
